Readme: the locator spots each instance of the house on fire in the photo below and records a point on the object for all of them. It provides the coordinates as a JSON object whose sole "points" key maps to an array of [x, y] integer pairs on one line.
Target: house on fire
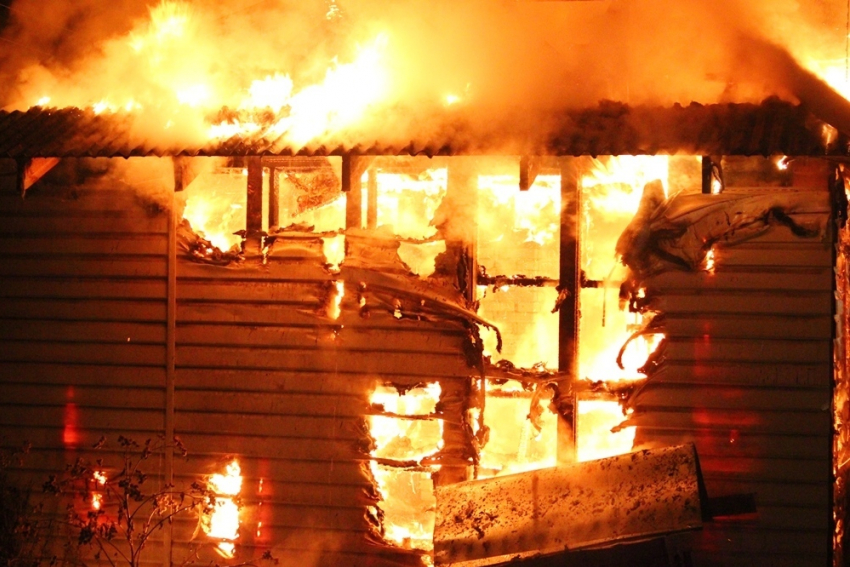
{"points": [[393, 318]]}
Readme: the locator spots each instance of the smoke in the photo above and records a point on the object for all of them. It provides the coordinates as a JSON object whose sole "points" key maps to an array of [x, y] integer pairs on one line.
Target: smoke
{"points": [[176, 64]]}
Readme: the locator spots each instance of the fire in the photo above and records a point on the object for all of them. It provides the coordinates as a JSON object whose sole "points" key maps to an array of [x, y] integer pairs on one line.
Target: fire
{"points": [[517, 443], [407, 492], [710, 261], [595, 440], [223, 522], [338, 102]]}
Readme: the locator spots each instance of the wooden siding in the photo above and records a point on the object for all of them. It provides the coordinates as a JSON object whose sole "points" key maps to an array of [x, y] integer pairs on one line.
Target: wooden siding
{"points": [[747, 377], [82, 321]]}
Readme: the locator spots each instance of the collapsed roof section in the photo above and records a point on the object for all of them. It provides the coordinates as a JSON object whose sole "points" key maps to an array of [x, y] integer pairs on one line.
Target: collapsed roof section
{"points": [[770, 128]]}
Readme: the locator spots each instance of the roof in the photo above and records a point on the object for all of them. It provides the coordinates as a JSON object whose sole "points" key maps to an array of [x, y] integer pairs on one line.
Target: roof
{"points": [[770, 128]]}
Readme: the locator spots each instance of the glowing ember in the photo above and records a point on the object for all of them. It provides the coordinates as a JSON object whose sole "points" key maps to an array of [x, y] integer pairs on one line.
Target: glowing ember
{"points": [[407, 494], [99, 477], [223, 522], [96, 501]]}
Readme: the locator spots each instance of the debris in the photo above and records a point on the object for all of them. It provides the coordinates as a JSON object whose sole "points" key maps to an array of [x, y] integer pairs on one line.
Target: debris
{"points": [[628, 497]]}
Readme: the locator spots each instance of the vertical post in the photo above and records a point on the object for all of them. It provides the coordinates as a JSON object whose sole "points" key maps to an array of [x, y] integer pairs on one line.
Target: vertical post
{"points": [[170, 362], [570, 276], [354, 193], [706, 175], [461, 229], [372, 199], [254, 206], [274, 197]]}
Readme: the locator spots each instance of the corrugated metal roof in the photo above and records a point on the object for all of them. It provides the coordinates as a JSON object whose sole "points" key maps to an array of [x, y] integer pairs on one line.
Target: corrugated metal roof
{"points": [[770, 128]]}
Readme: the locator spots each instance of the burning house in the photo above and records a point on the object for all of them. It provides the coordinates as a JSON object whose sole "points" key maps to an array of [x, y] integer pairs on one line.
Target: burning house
{"points": [[404, 312]]}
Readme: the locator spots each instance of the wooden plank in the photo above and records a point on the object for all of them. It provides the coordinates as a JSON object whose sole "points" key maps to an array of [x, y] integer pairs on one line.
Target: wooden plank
{"points": [[84, 310], [120, 244], [84, 288], [759, 303], [62, 200], [774, 422], [740, 444], [784, 375], [81, 331], [281, 426], [730, 397], [274, 271], [270, 403], [708, 350], [326, 360], [256, 313], [83, 396], [731, 326], [813, 255], [84, 266], [99, 421], [728, 278], [277, 470], [79, 374], [773, 493], [324, 336], [302, 380], [290, 292], [83, 353], [768, 470], [295, 449], [11, 225]]}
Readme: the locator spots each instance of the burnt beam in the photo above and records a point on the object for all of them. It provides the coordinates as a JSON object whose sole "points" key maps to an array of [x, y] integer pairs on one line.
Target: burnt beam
{"points": [[254, 212], [568, 320], [352, 171], [274, 197]]}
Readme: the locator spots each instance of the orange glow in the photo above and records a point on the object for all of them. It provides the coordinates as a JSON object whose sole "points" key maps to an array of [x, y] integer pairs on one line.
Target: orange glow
{"points": [[96, 501], [223, 522]]}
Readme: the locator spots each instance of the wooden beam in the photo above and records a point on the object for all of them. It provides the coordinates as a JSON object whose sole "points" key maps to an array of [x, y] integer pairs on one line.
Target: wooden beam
{"points": [[274, 197], [568, 321], [33, 169], [372, 199], [352, 170], [184, 173], [254, 206], [529, 168]]}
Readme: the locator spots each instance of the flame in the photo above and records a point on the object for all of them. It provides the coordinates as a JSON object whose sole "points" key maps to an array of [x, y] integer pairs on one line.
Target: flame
{"points": [[407, 495], [96, 501], [710, 261], [338, 102], [594, 439], [223, 522], [515, 444]]}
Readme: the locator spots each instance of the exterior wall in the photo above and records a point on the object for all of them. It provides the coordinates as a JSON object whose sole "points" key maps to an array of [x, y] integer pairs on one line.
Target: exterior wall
{"points": [[82, 323], [747, 377], [265, 374]]}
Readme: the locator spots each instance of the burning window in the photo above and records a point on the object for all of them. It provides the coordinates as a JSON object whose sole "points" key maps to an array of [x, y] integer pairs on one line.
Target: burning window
{"points": [[613, 346], [405, 434]]}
